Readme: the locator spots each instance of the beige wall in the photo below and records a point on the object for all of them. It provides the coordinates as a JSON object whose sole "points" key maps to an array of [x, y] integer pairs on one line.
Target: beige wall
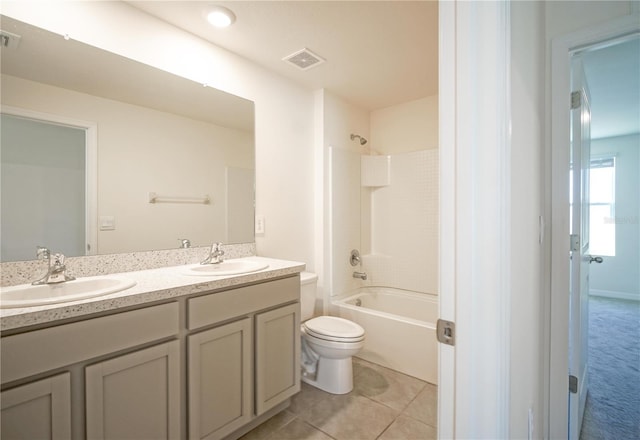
{"points": [[410, 126], [284, 110]]}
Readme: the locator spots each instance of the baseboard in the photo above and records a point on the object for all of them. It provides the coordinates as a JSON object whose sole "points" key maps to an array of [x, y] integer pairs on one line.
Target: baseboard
{"points": [[614, 294]]}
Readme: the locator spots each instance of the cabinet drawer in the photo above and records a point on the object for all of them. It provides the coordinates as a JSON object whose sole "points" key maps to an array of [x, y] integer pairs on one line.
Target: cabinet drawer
{"points": [[38, 351], [220, 306]]}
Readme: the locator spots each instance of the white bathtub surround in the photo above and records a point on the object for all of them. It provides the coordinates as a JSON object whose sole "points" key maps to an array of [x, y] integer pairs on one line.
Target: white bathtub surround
{"points": [[403, 250], [22, 272], [376, 170], [400, 328]]}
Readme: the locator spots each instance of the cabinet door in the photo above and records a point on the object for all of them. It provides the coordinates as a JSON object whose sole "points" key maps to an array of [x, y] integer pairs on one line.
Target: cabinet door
{"points": [[40, 409], [135, 396], [277, 356], [220, 380]]}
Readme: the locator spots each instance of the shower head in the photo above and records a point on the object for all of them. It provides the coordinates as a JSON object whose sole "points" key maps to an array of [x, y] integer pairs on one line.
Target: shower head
{"points": [[357, 136]]}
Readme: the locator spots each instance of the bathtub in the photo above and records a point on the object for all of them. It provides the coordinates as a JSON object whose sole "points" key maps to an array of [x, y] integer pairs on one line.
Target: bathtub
{"points": [[400, 328]]}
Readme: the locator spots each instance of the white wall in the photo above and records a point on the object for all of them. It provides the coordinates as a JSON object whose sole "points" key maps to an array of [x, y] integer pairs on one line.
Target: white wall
{"points": [[284, 110], [620, 275], [527, 144], [409, 126]]}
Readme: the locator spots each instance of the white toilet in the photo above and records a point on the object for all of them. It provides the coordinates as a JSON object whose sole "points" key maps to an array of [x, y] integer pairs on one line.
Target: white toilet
{"points": [[328, 342]]}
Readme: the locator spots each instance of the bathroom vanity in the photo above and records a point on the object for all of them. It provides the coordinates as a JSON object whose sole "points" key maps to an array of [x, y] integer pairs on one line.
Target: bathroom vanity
{"points": [[173, 357]]}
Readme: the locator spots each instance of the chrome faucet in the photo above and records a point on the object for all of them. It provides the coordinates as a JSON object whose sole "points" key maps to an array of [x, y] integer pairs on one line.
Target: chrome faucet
{"points": [[185, 243], [56, 269], [361, 275], [215, 255]]}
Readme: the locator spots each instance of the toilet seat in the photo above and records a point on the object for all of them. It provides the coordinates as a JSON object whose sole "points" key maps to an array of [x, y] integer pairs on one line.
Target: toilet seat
{"points": [[332, 328]]}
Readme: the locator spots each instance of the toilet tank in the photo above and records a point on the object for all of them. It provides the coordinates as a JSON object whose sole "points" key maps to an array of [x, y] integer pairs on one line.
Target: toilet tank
{"points": [[308, 286]]}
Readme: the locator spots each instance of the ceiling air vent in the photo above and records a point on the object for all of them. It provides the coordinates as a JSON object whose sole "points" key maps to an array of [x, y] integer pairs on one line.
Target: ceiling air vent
{"points": [[304, 59], [9, 40]]}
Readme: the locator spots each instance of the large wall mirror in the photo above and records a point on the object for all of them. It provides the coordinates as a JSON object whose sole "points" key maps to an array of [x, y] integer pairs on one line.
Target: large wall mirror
{"points": [[102, 154]]}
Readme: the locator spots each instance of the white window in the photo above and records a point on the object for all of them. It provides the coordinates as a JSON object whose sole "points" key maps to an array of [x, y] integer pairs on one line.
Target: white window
{"points": [[602, 204]]}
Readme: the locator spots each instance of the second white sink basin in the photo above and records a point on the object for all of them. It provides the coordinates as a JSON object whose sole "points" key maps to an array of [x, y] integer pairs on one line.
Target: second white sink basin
{"points": [[27, 295], [229, 267]]}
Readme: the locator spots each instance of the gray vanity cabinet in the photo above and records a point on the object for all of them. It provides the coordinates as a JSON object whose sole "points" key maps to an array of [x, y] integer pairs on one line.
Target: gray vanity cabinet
{"points": [[40, 409], [277, 351], [239, 371], [122, 391], [136, 395], [220, 380], [205, 366]]}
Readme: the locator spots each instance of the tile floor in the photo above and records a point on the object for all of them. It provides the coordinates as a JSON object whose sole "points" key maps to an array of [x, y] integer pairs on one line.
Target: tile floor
{"points": [[384, 405]]}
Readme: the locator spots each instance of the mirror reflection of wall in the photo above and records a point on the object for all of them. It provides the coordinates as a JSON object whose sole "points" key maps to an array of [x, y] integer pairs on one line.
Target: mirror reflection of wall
{"points": [[156, 132], [43, 184]]}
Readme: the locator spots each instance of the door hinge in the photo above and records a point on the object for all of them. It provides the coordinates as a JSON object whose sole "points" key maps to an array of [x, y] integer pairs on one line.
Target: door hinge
{"points": [[574, 244], [576, 100], [446, 332], [573, 384]]}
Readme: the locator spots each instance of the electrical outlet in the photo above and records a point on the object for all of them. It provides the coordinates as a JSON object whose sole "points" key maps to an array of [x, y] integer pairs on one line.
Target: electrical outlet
{"points": [[259, 224]]}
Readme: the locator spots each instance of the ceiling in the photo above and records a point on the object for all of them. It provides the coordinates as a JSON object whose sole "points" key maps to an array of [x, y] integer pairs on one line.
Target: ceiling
{"points": [[382, 53], [378, 53]]}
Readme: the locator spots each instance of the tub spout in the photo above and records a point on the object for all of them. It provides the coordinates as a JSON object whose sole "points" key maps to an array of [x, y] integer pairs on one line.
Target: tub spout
{"points": [[361, 275]]}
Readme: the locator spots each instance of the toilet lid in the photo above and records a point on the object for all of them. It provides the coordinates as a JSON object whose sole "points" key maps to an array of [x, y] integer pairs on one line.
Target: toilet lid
{"points": [[334, 328]]}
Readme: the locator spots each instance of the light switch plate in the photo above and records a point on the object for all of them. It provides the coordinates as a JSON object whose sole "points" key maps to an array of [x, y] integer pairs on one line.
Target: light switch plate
{"points": [[259, 224], [107, 223]]}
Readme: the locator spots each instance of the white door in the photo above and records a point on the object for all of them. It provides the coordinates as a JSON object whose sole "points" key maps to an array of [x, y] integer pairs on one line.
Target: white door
{"points": [[580, 258]]}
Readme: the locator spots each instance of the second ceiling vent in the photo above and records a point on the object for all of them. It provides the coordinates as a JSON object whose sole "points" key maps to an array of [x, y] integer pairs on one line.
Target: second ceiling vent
{"points": [[304, 59]]}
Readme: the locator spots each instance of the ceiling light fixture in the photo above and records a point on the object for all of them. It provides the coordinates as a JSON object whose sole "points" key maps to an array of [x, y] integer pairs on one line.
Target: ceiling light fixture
{"points": [[220, 17]]}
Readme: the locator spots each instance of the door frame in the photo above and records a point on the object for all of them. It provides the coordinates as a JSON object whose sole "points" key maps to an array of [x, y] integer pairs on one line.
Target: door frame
{"points": [[475, 175], [557, 313], [91, 165]]}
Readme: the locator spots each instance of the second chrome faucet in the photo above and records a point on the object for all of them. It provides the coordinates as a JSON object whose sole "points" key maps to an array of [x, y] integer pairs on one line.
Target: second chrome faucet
{"points": [[215, 255]]}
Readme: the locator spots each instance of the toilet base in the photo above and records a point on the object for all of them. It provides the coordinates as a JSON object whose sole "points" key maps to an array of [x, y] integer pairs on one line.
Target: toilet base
{"points": [[334, 376]]}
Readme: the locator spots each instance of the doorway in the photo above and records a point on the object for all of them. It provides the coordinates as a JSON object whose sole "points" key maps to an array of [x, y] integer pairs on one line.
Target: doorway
{"points": [[49, 175], [588, 43], [613, 73]]}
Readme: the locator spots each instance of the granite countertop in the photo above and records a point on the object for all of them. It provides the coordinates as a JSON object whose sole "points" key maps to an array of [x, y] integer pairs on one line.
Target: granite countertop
{"points": [[151, 285]]}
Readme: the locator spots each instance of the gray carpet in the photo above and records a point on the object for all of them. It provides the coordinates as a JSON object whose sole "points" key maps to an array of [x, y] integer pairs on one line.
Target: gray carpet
{"points": [[613, 400]]}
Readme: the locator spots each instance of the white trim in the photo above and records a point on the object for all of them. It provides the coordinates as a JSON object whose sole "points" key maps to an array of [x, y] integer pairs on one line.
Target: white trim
{"points": [[557, 315], [447, 258], [91, 165], [615, 295], [475, 217]]}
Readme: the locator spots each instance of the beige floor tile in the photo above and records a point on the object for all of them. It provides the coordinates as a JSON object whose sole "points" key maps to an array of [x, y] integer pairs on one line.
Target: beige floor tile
{"points": [[406, 428], [306, 398], [386, 386], [425, 406], [268, 427], [349, 417], [298, 430]]}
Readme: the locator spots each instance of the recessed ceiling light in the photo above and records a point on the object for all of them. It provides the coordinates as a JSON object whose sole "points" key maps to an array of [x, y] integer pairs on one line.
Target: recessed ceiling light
{"points": [[220, 16]]}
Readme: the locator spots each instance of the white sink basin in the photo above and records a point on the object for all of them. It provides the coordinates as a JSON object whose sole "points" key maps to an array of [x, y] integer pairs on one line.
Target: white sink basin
{"points": [[229, 267], [27, 295]]}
